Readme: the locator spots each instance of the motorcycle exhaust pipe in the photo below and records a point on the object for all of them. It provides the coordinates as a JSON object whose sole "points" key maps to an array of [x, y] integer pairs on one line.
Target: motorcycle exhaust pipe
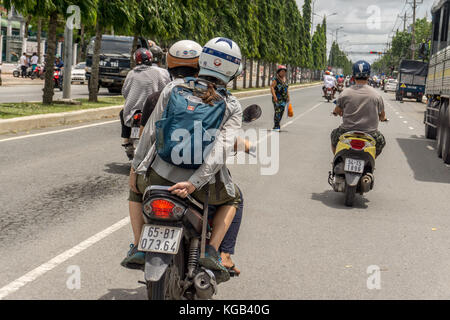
{"points": [[366, 183], [204, 286]]}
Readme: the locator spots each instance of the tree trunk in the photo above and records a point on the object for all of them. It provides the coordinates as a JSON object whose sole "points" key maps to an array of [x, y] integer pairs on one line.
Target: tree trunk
{"points": [[264, 74], [258, 65], [93, 81], [244, 83], [133, 49], [235, 83], [250, 81], [81, 45], [38, 39], [47, 97]]}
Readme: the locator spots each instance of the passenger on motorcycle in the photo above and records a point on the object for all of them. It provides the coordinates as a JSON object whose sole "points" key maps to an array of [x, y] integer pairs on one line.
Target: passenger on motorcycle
{"points": [[328, 82], [361, 107], [219, 63], [140, 82]]}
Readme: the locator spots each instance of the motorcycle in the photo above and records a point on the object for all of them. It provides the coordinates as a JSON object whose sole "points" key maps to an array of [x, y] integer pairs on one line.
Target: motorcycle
{"points": [[329, 94], [340, 87], [135, 135], [57, 79], [353, 165], [37, 73], [173, 239]]}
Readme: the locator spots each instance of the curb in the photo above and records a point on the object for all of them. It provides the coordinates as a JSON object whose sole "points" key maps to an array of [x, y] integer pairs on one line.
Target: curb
{"points": [[56, 119], [18, 124]]}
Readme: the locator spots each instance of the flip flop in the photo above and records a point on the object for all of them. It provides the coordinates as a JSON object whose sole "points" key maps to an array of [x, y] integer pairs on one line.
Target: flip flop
{"points": [[233, 271]]}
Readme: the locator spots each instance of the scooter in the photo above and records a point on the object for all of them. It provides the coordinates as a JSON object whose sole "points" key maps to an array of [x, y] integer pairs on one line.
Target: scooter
{"points": [[135, 135], [329, 94], [353, 165], [57, 79], [340, 87], [173, 239]]}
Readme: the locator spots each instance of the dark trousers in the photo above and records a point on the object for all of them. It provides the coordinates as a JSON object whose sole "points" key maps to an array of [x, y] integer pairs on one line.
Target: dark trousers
{"points": [[279, 111], [126, 131], [229, 241], [24, 71]]}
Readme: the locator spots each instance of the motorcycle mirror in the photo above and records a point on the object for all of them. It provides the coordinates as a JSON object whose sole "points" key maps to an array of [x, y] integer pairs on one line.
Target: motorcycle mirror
{"points": [[251, 113]]}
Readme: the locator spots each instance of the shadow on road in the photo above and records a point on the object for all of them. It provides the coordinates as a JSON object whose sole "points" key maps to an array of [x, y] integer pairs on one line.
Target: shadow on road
{"points": [[118, 168], [425, 164], [335, 200], [126, 294]]}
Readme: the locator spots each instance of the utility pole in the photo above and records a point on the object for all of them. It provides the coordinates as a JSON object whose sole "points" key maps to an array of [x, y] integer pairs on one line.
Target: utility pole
{"points": [[413, 45], [68, 60]]}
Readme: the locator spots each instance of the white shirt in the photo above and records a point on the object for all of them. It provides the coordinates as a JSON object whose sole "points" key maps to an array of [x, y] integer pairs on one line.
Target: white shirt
{"points": [[34, 59], [329, 81], [23, 61]]}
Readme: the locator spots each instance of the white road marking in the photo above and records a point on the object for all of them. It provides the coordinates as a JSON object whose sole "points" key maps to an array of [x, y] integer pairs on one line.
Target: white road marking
{"points": [[400, 117], [430, 148], [411, 128], [58, 131], [53, 263], [405, 122]]}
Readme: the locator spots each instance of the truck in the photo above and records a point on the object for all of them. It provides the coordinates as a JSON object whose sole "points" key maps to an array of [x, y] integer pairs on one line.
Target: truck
{"points": [[411, 80], [437, 114], [115, 60]]}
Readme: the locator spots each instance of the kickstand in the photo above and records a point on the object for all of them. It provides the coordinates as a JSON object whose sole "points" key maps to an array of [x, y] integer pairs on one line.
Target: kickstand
{"points": [[205, 223]]}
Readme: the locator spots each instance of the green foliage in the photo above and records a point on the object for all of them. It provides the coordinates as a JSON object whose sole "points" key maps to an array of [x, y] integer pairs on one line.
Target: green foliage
{"points": [[401, 47]]}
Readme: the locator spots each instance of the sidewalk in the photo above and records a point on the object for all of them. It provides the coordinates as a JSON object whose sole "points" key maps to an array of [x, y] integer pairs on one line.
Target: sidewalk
{"points": [[27, 123], [9, 80]]}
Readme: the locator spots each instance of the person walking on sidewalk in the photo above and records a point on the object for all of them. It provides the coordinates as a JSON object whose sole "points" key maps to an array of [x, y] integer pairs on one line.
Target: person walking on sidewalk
{"points": [[280, 95]]}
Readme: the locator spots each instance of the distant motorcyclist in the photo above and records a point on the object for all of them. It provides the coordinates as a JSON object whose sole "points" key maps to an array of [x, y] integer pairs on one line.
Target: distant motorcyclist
{"points": [[361, 107], [140, 82], [328, 82]]}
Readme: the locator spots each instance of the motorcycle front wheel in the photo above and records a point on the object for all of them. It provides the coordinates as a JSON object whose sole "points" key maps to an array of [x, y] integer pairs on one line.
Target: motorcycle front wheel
{"points": [[350, 193], [164, 288]]}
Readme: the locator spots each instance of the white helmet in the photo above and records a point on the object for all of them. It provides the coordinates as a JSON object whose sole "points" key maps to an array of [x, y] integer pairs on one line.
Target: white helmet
{"points": [[184, 53], [221, 58]]}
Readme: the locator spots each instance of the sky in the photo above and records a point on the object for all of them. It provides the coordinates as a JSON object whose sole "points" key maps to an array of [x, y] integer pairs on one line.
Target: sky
{"points": [[366, 25]]}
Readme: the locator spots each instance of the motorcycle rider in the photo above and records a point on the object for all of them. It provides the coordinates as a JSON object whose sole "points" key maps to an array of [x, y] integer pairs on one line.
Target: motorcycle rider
{"points": [[329, 82], [361, 108], [140, 82], [148, 167]]}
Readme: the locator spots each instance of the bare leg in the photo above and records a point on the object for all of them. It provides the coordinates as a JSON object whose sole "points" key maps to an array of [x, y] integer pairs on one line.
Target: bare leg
{"points": [[333, 149], [137, 220], [221, 223], [228, 263]]}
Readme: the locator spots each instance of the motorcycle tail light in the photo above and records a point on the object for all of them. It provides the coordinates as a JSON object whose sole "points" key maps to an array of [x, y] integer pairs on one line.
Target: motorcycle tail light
{"points": [[163, 209], [357, 144], [137, 116]]}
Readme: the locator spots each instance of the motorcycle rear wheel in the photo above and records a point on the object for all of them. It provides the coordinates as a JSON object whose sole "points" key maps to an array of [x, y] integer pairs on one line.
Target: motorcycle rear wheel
{"points": [[160, 290], [350, 193]]}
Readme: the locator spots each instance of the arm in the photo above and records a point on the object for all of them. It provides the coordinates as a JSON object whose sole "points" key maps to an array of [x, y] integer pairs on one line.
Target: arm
{"points": [[272, 89]]}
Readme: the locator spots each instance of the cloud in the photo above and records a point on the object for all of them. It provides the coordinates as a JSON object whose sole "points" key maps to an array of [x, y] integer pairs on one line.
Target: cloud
{"points": [[360, 25]]}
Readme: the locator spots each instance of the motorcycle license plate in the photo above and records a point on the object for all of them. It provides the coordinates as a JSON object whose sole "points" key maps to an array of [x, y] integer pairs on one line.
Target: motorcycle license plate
{"points": [[353, 165], [160, 239], [135, 133]]}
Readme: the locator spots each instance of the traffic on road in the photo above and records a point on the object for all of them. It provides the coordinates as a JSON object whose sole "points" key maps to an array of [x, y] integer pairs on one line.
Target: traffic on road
{"points": [[227, 174]]}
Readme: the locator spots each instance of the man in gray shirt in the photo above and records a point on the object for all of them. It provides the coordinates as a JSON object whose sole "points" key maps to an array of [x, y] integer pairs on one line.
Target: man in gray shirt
{"points": [[361, 108]]}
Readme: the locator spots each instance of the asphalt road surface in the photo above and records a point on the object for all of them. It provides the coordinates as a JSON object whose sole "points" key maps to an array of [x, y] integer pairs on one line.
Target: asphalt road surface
{"points": [[64, 209]]}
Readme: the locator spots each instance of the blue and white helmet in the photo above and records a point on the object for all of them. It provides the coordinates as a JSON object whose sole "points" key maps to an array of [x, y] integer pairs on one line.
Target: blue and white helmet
{"points": [[221, 58], [361, 70]]}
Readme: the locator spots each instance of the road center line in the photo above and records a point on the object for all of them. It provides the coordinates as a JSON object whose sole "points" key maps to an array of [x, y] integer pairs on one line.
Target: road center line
{"points": [[61, 258]]}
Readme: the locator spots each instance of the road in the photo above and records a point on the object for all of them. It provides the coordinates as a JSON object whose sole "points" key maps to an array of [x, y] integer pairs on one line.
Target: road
{"points": [[63, 208]]}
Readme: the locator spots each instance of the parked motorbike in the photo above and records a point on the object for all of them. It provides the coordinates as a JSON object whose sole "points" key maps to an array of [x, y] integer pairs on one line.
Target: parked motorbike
{"points": [[135, 135], [57, 79], [173, 240], [37, 73]]}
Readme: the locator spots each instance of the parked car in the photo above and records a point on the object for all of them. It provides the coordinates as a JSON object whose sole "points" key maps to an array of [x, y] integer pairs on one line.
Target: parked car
{"points": [[79, 73], [391, 85]]}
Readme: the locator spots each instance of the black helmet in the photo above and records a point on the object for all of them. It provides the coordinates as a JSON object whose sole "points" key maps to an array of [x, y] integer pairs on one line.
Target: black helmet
{"points": [[157, 53], [143, 56], [361, 70]]}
